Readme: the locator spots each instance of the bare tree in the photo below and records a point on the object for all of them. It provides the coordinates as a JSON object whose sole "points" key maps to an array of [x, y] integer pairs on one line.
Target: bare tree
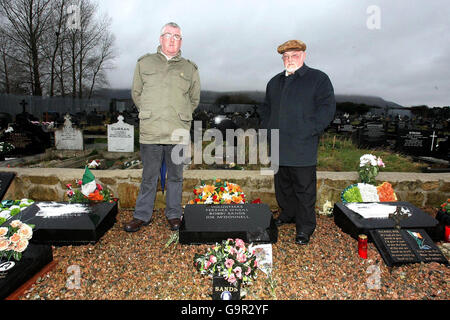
{"points": [[26, 24]]}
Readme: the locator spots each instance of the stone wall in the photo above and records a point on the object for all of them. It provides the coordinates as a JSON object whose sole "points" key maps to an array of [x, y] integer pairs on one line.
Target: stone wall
{"points": [[420, 189]]}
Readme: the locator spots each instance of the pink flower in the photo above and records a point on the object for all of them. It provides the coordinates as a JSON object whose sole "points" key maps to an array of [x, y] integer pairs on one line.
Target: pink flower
{"points": [[229, 263], [232, 278], [207, 264], [238, 272], [212, 259], [70, 193], [256, 264], [233, 251], [248, 271], [69, 186], [80, 182], [241, 257], [380, 162], [240, 243]]}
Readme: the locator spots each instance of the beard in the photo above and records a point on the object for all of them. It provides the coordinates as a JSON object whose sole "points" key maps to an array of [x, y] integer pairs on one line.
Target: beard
{"points": [[291, 68]]}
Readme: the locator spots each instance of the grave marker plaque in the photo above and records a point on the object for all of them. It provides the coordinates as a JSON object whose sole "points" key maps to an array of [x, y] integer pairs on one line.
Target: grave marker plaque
{"points": [[372, 134], [214, 223], [223, 290], [414, 142], [120, 136], [399, 247], [68, 138]]}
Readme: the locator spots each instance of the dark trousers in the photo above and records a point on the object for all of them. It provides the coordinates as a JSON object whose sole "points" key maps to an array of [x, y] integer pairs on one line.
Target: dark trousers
{"points": [[295, 191]]}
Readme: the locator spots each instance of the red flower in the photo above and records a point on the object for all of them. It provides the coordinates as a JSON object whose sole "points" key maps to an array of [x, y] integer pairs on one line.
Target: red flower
{"points": [[257, 200], [99, 187]]}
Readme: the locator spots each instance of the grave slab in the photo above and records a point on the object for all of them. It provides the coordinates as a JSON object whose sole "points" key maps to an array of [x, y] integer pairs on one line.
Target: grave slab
{"points": [[208, 224], [34, 259], [398, 247], [6, 179], [353, 224], [62, 223]]}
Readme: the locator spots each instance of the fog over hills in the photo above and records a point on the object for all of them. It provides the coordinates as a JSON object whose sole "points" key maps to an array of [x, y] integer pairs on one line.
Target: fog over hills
{"points": [[210, 97]]}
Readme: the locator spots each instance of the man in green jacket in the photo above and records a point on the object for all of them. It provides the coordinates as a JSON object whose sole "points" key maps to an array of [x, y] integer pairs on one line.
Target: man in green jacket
{"points": [[166, 91]]}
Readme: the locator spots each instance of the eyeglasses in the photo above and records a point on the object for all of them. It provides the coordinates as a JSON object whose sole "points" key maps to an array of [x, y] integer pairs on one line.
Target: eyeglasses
{"points": [[294, 56], [176, 37]]}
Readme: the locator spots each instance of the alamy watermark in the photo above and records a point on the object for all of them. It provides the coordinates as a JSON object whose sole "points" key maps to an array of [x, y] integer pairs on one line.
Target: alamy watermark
{"points": [[373, 21], [258, 147], [73, 17], [74, 280]]}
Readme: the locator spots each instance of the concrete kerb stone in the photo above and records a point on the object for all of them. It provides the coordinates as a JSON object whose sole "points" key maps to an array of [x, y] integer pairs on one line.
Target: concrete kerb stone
{"points": [[432, 187]]}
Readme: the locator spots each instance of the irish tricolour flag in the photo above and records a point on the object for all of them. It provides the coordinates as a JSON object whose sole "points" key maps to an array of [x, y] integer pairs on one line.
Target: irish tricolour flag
{"points": [[88, 184]]}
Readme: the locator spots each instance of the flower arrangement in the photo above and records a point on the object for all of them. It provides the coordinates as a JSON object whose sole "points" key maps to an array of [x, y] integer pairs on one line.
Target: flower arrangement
{"points": [[231, 259], [88, 190], [445, 207], [218, 193], [369, 166], [10, 208], [100, 194], [14, 239], [363, 192]]}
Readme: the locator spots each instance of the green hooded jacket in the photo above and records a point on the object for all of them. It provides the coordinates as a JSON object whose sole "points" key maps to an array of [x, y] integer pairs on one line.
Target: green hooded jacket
{"points": [[166, 92]]}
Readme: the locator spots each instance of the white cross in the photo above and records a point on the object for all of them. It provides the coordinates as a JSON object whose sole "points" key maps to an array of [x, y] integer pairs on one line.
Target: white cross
{"points": [[432, 141]]}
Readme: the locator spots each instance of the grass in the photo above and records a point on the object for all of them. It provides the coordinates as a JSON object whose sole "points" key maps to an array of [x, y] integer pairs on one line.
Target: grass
{"points": [[339, 153]]}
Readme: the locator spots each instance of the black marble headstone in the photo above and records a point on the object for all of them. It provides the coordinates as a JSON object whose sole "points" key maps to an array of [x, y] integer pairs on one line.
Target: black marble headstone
{"points": [[223, 290], [87, 224], [34, 259], [414, 142], [399, 247], [213, 223], [372, 134], [5, 181], [352, 223]]}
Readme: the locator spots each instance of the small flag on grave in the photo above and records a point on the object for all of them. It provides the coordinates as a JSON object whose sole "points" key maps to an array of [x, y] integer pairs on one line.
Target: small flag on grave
{"points": [[88, 184]]}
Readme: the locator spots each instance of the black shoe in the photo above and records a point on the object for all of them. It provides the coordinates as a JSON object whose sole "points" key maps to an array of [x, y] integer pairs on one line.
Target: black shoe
{"points": [[279, 222], [135, 225], [302, 238]]}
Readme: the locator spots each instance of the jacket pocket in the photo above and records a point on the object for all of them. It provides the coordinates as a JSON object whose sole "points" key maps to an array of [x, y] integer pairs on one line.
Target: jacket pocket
{"points": [[149, 78], [183, 82]]}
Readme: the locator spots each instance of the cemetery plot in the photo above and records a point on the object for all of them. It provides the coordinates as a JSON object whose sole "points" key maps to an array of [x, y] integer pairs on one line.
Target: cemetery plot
{"points": [[59, 223], [214, 223], [354, 224], [13, 274]]}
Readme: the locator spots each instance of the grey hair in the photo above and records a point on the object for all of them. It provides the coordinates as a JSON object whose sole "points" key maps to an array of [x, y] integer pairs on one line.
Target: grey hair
{"points": [[170, 24]]}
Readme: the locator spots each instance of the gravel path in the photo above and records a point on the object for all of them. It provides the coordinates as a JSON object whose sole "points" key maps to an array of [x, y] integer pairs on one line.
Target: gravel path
{"points": [[124, 266]]}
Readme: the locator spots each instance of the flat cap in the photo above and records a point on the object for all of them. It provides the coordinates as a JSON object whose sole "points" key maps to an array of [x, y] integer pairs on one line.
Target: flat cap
{"points": [[291, 45]]}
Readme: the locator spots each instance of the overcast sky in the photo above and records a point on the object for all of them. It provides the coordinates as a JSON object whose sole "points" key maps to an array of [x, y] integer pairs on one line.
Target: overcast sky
{"points": [[404, 56]]}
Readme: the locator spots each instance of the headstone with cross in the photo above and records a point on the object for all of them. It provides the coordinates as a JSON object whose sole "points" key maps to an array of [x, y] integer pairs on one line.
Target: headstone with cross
{"points": [[120, 136], [68, 137]]}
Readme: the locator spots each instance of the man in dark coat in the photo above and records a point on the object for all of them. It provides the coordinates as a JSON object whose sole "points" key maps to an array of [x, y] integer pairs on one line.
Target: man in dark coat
{"points": [[300, 103]]}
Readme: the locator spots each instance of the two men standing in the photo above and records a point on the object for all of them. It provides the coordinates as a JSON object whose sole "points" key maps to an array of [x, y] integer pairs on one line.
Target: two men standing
{"points": [[299, 103]]}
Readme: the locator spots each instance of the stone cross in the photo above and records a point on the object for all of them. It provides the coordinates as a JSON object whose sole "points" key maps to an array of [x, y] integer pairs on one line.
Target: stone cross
{"points": [[23, 104], [398, 216]]}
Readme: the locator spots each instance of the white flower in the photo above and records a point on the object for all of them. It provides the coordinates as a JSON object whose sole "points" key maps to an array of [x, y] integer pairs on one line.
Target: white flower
{"points": [[6, 214], [3, 232], [227, 196], [368, 192], [368, 159], [21, 245], [16, 224], [4, 244], [25, 232], [209, 200]]}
